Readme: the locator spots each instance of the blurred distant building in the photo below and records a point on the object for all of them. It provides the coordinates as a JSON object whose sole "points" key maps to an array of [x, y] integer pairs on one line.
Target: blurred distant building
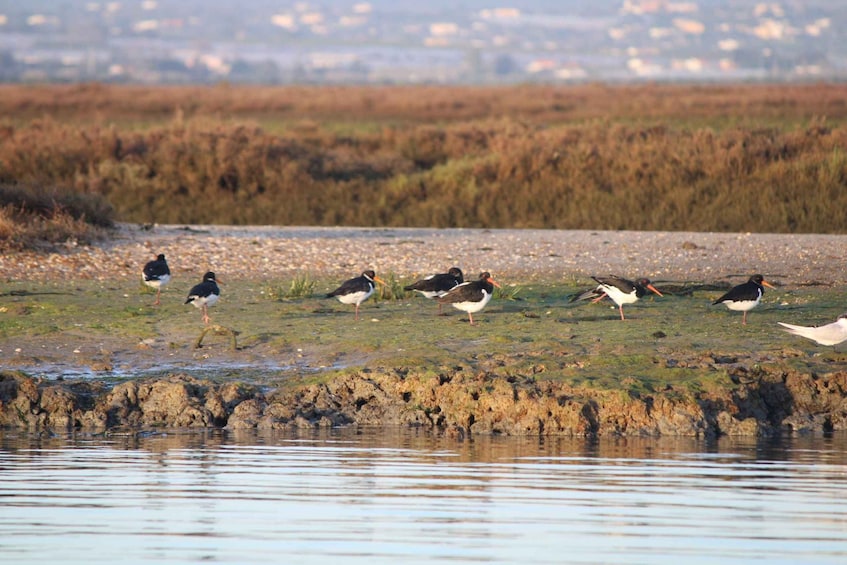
{"points": [[438, 41]]}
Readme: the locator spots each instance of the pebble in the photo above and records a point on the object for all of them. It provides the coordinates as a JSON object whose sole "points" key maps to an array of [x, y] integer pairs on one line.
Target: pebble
{"points": [[514, 256]]}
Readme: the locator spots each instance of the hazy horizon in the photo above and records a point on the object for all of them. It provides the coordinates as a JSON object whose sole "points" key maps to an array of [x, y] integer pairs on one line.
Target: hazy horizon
{"points": [[441, 41]]}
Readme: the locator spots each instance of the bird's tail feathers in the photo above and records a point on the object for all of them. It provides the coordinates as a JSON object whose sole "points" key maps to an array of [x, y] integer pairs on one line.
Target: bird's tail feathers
{"points": [[592, 294]]}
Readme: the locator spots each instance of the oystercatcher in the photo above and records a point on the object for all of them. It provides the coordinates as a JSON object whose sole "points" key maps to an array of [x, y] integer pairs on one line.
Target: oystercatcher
{"points": [[620, 290], [357, 290], [434, 286], [829, 334], [471, 296], [745, 297], [156, 274], [205, 294]]}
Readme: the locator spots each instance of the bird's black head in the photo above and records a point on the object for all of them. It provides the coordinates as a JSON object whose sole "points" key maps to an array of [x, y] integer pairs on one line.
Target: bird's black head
{"points": [[369, 274], [160, 257], [760, 281], [456, 272], [646, 284], [210, 276], [485, 277]]}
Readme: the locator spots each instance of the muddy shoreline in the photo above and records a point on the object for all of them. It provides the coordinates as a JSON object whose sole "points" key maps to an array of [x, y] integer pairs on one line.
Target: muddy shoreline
{"points": [[457, 403], [464, 393]]}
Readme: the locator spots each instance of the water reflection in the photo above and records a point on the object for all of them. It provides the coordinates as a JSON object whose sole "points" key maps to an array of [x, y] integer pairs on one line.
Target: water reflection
{"points": [[389, 496]]}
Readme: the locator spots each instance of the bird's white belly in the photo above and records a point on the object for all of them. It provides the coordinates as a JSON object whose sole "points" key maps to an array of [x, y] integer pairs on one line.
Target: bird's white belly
{"points": [[355, 297], [741, 305], [210, 300], [432, 293], [471, 306], [619, 297], [157, 283]]}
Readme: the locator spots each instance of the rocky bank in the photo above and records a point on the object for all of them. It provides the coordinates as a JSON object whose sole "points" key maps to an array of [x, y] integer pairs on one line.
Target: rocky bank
{"points": [[458, 403]]}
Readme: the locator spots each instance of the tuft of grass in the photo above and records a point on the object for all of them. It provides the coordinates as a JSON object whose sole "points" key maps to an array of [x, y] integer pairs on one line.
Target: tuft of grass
{"points": [[302, 286], [507, 292], [392, 289]]}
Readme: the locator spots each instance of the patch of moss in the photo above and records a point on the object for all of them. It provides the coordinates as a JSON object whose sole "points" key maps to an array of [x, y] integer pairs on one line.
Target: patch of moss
{"points": [[676, 342]]}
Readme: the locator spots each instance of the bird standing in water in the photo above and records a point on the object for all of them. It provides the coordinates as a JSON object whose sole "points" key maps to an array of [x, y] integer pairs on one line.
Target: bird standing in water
{"points": [[156, 274]]}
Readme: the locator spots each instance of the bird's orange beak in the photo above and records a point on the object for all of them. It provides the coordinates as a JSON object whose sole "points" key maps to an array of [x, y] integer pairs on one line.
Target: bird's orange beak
{"points": [[769, 285], [654, 289], [492, 281], [380, 281]]}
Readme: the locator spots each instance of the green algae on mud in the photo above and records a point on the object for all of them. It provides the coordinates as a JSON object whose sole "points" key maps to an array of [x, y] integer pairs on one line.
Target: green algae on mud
{"points": [[112, 330]]}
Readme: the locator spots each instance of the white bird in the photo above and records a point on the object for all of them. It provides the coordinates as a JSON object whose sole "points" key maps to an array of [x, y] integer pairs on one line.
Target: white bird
{"points": [[830, 334]]}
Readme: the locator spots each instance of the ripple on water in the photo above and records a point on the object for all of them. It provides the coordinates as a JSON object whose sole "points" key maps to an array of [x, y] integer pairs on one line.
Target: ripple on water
{"points": [[413, 498]]}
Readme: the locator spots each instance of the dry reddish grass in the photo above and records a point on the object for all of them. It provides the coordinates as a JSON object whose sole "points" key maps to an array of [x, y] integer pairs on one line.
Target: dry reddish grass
{"points": [[427, 104], [767, 158], [34, 217]]}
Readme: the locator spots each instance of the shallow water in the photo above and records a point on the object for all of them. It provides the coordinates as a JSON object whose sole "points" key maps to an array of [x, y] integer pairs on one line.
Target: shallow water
{"points": [[408, 497]]}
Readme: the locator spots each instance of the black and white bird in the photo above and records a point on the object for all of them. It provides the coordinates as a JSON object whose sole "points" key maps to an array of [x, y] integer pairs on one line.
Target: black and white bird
{"points": [[356, 290], [829, 334], [435, 286], [156, 274], [471, 296], [205, 294], [745, 297], [620, 290]]}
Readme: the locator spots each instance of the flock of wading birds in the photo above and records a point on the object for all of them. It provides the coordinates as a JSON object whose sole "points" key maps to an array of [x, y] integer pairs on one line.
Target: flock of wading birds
{"points": [[472, 296]]}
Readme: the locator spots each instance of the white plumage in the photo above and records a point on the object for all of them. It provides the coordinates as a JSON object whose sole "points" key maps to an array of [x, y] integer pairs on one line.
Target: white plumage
{"points": [[829, 334]]}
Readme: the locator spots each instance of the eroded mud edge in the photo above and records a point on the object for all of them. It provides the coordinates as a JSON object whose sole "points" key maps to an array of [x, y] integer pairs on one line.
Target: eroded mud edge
{"points": [[457, 403]]}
